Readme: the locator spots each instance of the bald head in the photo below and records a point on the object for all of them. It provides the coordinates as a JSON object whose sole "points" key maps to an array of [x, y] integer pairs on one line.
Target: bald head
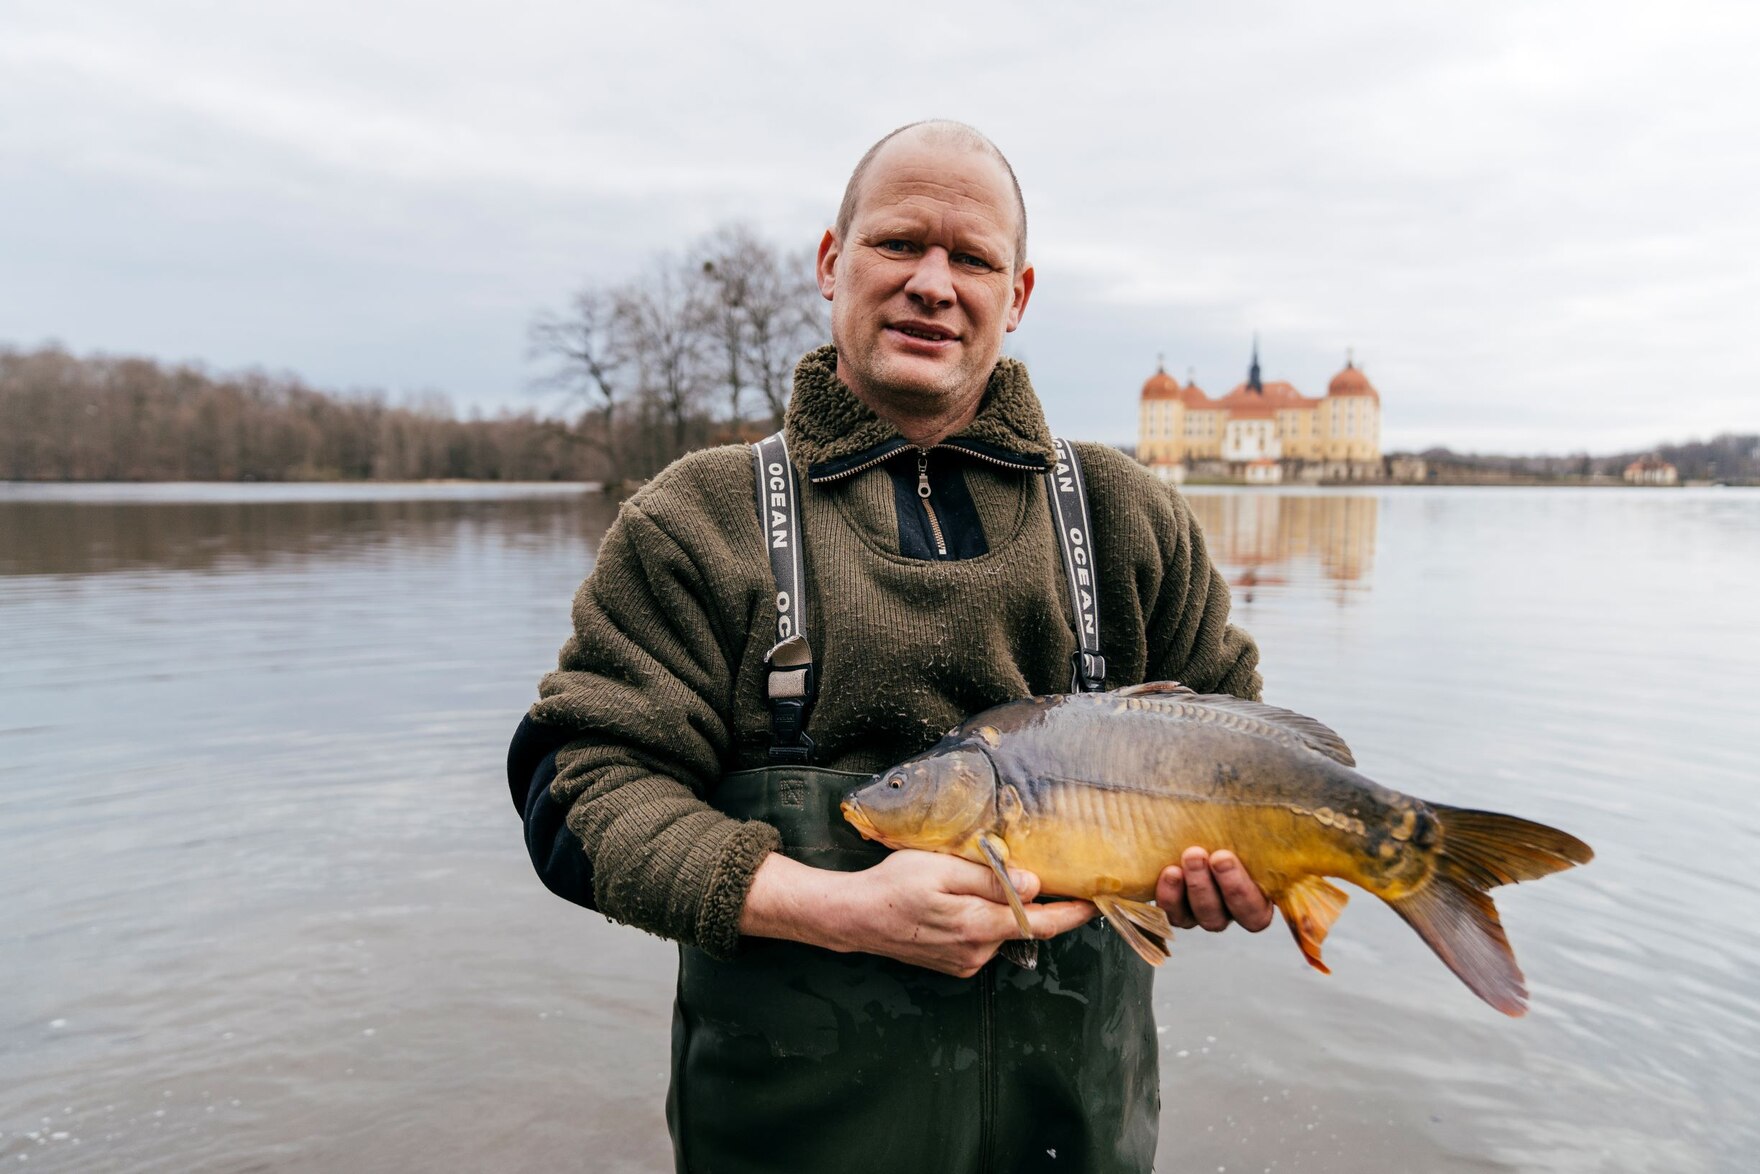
{"points": [[936, 132]]}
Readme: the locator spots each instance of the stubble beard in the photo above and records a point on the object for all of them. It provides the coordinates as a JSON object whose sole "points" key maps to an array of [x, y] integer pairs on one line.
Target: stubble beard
{"points": [[949, 394]]}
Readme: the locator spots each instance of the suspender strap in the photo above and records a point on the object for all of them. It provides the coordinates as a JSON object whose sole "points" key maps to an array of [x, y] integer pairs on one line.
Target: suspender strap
{"points": [[1069, 512], [790, 682]]}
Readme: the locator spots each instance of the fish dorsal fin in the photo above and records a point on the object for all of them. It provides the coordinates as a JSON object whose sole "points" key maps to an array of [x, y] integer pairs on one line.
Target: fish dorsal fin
{"points": [[1320, 736], [1155, 689], [1316, 735]]}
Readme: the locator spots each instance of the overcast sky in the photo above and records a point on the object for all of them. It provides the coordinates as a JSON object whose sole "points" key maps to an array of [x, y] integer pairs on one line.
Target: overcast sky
{"points": [[1535, 222]]}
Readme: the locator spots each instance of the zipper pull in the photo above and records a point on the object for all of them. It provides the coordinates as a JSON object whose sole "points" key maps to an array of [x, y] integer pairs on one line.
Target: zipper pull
{"points": [[923, 475]]}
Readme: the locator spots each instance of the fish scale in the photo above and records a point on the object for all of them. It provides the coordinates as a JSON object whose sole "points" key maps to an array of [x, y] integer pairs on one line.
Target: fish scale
{"points": [[1097, 793]]}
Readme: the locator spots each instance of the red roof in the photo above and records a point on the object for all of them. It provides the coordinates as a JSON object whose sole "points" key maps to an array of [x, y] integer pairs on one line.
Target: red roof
{"points": [[1161, 385], [1277, 394], [1351, 381]]}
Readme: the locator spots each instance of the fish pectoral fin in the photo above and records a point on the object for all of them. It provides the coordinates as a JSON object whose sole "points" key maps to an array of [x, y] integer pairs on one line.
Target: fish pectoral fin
{"points": [[1309, 907], [1023, 954], [1143, 927], [996, 852]]}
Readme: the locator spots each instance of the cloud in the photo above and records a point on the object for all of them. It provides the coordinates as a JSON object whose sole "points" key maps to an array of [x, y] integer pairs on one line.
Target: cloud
{"points": [[1531, 221]]}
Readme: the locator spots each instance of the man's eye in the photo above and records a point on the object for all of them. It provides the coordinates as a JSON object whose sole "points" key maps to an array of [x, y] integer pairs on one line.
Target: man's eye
{"points": [[895, 246], [971, 261]]}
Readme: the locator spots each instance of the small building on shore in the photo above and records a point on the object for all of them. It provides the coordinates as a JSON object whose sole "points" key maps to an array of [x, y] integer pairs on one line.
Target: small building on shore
{"points": [[1652, 470], [1262, 433]]}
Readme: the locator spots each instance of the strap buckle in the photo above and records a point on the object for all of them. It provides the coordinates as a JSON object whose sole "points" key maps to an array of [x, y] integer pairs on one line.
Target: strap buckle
{"points": [[789, 689], [1090, 672]]}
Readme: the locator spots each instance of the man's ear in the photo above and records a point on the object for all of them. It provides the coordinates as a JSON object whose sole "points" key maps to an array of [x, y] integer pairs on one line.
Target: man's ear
{"points": [[829, 248], [1023, 289]]}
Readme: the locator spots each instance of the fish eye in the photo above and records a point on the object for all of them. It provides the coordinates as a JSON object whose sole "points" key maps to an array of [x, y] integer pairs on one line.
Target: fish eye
{"points": [[895, 782]]}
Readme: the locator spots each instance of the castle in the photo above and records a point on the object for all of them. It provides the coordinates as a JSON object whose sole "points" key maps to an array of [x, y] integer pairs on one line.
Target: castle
{"points": [[1262, 433]]}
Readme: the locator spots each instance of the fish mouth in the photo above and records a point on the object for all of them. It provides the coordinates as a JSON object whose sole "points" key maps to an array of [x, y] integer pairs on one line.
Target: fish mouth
{"points": [[858, 819]]}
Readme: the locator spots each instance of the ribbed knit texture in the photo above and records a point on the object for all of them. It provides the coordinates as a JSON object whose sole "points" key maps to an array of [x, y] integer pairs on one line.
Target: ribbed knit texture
{"points": [[664, 675]]}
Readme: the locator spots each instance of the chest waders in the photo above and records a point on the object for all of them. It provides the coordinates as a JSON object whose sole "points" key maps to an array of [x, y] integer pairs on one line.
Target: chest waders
{"points": [[790, 1059]]}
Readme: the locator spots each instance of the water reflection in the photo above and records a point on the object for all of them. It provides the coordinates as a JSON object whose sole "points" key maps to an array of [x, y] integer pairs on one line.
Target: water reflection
{"points": [[1267, 539], [95, 537]]}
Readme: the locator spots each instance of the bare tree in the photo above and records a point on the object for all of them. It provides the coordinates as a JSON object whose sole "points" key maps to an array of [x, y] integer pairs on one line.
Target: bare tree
{"points": [[590, 353], [786, 314], [732, 319], [730, 257], [763, 312], [664, 314]]}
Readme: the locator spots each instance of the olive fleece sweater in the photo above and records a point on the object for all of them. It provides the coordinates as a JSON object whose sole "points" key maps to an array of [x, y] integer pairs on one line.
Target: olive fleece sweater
{"points": [[663, 679]]}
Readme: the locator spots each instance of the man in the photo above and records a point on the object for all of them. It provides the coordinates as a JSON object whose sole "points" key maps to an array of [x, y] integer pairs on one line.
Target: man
{"points": [[839, 1010]]}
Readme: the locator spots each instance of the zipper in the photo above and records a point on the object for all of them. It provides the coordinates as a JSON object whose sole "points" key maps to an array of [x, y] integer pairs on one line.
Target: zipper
{"points": [[1019, 466], [923, 490], [987, 1068], [928, 507]]}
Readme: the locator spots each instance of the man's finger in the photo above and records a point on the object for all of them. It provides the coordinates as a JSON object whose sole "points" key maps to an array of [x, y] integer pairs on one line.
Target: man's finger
{"points": [[979, 880], [1201, 891], [1170, 895], [1246, 903], [1055, 917]]}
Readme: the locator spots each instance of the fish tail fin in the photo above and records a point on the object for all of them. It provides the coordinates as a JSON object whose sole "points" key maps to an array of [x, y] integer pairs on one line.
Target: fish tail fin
{"points": [[1309, 908], [1143, 927], [1454, 913], [1496, 849]]}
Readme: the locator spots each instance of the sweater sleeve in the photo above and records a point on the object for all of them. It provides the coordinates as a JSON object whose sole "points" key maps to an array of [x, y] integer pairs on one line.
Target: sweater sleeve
{"points": [[1190, 638], [644, 686]]}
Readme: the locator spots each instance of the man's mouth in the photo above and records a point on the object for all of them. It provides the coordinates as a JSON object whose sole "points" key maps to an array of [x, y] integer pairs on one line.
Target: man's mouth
{"points": [[923, 331]]}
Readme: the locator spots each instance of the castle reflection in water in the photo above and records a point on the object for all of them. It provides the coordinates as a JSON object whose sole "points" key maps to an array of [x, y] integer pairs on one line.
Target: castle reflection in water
{"points": [[1265, 540]]}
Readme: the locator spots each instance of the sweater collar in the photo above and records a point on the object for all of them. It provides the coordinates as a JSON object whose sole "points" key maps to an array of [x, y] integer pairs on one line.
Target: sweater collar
{"points": [[831, 433]]}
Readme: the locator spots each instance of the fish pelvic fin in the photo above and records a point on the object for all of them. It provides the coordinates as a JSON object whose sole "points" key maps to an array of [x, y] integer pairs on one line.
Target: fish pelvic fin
{"points": [[1309, 908], [1454, 913], [1143, 927], [996, 852]]}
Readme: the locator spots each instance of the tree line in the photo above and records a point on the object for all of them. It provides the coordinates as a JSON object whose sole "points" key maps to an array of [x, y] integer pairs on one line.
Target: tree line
{"points": [[1729, 457], [694, 350], [103, 418]]}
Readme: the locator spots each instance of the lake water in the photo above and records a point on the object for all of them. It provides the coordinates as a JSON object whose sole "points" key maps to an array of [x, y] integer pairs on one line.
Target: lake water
{"points": [[266, 905]]}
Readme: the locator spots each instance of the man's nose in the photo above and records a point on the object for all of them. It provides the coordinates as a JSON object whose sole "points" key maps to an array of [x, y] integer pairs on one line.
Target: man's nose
{"points": [[931, 282]]}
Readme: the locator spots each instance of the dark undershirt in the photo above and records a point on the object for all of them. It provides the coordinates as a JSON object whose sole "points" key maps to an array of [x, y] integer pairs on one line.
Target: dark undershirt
{"points": [[961, 527]]}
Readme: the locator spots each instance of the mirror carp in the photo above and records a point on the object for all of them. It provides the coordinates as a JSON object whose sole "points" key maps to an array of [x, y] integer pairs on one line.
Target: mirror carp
{"points": [[1098, 792]]}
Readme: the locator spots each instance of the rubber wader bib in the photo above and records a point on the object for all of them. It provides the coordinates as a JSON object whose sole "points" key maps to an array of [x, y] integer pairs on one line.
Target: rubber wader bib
{"points": [[790, 1059]]}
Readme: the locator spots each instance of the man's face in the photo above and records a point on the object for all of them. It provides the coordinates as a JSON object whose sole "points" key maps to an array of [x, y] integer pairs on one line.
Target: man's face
{"points": [[924, 287]]}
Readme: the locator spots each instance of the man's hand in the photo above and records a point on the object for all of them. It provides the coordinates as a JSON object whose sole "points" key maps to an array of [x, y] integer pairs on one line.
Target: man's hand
{"points": [[923, 908], [1211, 891]]}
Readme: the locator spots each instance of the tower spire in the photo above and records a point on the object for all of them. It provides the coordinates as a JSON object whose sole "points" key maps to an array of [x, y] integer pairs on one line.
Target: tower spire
{"points": [[1253, 380]]}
